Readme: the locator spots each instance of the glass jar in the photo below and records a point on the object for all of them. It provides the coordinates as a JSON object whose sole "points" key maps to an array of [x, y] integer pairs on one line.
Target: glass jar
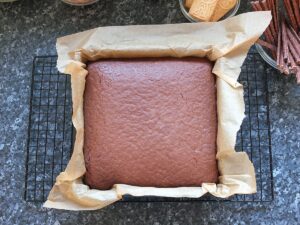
{"points": [[80, 2], [185, 12], [268, 59]]}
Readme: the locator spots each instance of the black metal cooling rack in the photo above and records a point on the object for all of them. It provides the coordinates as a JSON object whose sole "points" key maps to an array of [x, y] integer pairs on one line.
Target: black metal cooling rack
{"points": [[50, 128], [50, 133]]}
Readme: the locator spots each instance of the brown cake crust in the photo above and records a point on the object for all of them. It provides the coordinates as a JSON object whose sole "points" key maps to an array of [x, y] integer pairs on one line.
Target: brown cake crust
{"points": [[150, 122]]}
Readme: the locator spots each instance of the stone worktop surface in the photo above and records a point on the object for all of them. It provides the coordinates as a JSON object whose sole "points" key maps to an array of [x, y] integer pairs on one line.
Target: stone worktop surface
{"points": [[30, 27]]}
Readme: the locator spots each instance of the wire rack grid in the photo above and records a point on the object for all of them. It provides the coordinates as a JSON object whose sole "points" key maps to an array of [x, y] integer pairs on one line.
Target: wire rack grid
{"points": [[50, 132]]}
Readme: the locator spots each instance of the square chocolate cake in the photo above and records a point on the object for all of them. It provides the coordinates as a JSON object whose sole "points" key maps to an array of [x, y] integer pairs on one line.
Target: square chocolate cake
{"points": [[150, 122]]}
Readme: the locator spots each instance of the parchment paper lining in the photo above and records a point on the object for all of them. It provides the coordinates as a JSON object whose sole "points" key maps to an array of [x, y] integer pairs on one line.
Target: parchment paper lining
{"points": [[226, 42]]}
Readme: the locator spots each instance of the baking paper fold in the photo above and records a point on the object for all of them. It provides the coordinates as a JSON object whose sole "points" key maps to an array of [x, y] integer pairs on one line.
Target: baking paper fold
{"points": [[226, 43]]}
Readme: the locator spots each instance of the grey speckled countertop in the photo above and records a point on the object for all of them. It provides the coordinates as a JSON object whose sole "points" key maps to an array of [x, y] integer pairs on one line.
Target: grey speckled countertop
{"points": [[30, 27]]}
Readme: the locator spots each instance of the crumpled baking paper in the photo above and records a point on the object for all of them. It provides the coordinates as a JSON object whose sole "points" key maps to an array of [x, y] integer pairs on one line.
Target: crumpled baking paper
{"points": [[226, 43]]}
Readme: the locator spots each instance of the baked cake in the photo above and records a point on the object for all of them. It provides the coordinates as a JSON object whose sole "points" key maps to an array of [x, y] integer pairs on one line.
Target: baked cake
{"points": [[150, 122]]}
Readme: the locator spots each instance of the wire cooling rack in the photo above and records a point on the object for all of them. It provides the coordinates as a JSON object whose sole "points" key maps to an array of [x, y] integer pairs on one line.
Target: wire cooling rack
{"points": [[50, 132]]}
